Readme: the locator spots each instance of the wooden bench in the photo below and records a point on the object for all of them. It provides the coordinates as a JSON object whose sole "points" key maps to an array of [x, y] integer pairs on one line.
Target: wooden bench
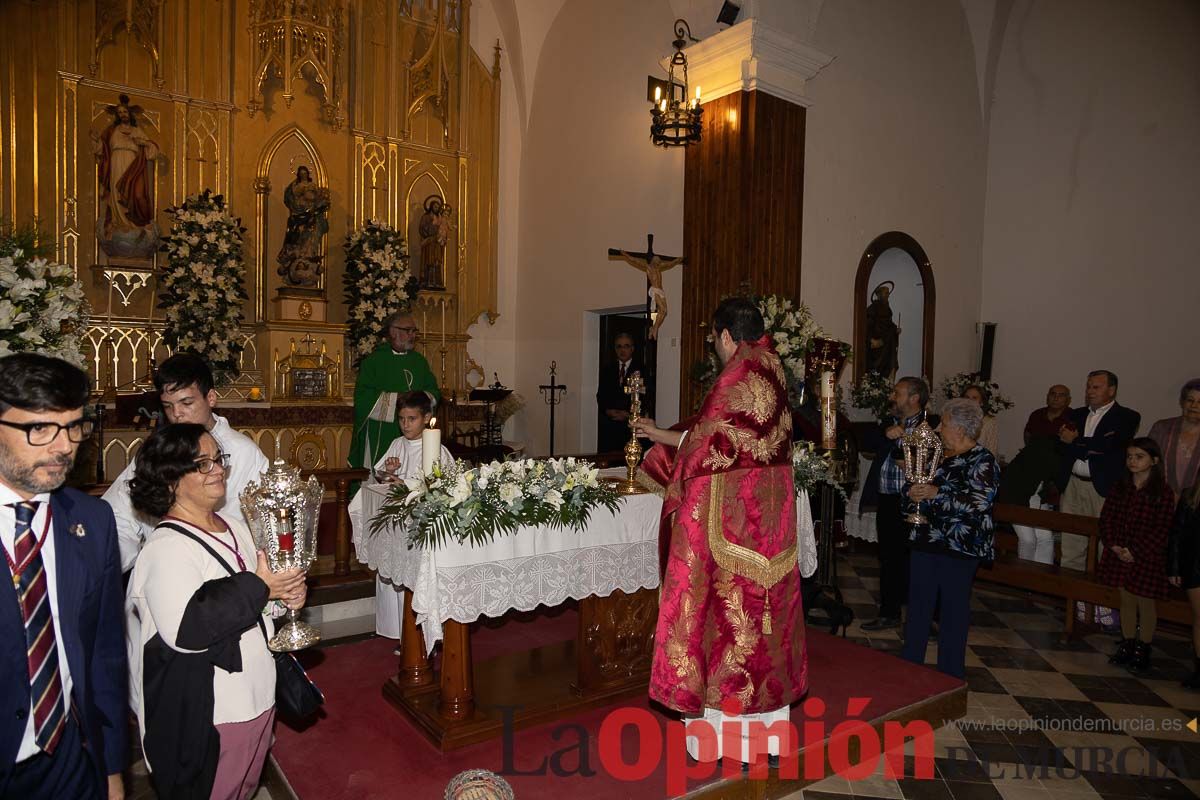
{"points": [[1071, 585]]}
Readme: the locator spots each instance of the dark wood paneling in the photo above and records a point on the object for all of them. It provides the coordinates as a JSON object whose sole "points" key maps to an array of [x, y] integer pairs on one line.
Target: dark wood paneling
{"points": [[742, 216]]}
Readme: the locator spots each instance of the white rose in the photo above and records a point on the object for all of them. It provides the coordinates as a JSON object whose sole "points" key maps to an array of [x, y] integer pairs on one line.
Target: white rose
{"points": [[461, 491], [553, 498], [509, 492]]}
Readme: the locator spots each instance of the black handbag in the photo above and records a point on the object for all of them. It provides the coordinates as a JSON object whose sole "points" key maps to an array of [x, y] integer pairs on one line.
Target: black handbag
{"points": [[296, 696]]}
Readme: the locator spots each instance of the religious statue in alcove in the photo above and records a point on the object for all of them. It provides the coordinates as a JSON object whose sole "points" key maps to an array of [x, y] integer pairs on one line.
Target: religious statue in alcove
{"points": [[435, 229], [883, 335], [654, 266], [125, 159], [300, 259]]}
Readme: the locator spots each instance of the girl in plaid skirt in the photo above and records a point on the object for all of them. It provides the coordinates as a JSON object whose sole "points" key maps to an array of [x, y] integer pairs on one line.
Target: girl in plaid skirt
{"points": [[1134, 525]]}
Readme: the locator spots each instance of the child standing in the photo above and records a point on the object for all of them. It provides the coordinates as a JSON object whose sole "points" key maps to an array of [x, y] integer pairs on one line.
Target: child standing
{"points": [[1134, 525], [402, 460]]}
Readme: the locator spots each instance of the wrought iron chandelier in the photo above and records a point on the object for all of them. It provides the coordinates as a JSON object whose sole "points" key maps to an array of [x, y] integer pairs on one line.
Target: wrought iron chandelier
{"points": [[675, 119]]}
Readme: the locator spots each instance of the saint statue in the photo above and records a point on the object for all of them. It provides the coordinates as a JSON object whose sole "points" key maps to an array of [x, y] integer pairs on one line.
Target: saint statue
{"points": [[654, 266], [434, 229], [125, 159], [883, 335], [300, 259]]}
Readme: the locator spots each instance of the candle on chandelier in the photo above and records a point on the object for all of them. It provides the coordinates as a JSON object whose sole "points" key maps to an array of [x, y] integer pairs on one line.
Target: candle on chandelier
{"points": [[657, 94]]}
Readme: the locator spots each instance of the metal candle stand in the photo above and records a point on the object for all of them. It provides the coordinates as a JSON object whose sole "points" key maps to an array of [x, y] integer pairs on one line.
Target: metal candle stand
{"points": [[826, 359], [550, 392]]}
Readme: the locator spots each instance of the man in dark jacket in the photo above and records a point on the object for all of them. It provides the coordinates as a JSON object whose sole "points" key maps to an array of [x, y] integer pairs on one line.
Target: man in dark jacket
{"points": [[63, 671], [1093, 457], [611, 399], [883, 490]]}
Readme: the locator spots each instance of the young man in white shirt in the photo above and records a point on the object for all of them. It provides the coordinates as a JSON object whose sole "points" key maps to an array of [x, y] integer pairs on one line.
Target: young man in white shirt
{"points": [[185, 387]]}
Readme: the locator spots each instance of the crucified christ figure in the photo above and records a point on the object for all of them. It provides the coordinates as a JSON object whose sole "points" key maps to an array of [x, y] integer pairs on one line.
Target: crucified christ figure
{"points": [[654, 266]]}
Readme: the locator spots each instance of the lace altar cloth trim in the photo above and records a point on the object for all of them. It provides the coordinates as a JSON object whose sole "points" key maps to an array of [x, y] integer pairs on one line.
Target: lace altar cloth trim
{"points": [[536, 566]]}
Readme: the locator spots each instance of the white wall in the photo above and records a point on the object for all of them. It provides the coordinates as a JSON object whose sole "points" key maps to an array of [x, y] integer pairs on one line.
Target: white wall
{"points": [[1093, 192], [590, 180], [895, 142]]}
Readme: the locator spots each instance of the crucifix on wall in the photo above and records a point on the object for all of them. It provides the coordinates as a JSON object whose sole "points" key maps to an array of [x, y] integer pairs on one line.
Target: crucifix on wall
{"points": [[654, 266]]}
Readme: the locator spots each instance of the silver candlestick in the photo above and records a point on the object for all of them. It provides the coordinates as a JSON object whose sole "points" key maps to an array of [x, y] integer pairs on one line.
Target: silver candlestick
{"points": [[282, 512], [922, 449]]}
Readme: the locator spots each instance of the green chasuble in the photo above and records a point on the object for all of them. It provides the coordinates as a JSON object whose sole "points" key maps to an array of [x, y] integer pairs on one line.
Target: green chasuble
{"points": [[381, 376]]}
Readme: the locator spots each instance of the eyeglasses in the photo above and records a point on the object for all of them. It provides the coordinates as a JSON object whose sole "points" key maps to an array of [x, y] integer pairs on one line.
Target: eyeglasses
{"points": [[40, 434], [205, 465], [411, 331]]}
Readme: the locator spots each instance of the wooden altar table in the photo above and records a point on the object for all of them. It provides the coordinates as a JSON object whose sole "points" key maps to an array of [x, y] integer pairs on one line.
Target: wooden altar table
{"points": [[610, 567]]}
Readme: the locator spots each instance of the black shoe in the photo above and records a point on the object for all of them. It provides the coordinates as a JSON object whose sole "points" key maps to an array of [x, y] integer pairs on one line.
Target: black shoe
{"points": [[1193, 681], [881, 624], [841, 618], [1141, 658], [1124, 652]]}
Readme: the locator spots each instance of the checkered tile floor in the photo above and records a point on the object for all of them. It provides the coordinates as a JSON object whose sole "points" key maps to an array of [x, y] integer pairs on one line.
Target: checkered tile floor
{"points": [[1045, 719]]}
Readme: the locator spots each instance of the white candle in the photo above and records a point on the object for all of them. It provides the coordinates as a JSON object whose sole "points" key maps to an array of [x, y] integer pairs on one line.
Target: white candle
{"points": [[431, 449], [827, 383]]}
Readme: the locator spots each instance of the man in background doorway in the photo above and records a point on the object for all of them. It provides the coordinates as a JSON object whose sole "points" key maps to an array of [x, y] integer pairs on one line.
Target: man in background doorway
{"points": [[612, 430]]}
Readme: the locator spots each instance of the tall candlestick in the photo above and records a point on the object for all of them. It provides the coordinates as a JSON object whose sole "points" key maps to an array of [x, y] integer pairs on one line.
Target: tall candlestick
{"points": [[443, 324]]}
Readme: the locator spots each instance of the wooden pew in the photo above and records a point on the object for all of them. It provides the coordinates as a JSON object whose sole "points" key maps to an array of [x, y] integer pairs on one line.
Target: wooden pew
{"points": [[1069, 584]]}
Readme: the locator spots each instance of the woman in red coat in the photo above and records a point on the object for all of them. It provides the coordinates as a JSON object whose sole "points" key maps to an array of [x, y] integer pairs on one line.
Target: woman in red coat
{"points": [[1135, 523]]}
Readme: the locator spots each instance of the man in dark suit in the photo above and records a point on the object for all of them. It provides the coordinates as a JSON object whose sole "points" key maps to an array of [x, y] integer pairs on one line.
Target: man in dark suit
{"points": [[612, 432], [883, 491], [63, 672], [1092, 446]]}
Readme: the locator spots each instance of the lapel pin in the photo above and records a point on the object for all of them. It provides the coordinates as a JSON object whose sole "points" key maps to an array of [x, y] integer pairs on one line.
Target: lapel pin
{"points": [[79, 530]]}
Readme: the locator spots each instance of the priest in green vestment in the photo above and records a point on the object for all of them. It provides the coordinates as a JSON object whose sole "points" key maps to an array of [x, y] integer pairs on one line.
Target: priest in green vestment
{"points": [[394, 368]]}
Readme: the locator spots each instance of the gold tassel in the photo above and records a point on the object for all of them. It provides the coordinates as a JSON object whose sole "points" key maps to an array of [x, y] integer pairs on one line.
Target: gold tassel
{"points": [[766, 622]]}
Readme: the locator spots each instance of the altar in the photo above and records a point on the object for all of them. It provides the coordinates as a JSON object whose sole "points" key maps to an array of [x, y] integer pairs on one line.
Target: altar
{"points": [[610, 567]]}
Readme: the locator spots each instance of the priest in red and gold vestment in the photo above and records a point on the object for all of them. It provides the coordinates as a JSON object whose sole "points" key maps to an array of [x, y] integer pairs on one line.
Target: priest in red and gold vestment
{"points": [[730, 622]]}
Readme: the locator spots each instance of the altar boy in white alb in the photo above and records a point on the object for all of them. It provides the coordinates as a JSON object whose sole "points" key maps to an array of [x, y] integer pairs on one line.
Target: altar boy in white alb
{"points": [[402, 460], [185, 387]]}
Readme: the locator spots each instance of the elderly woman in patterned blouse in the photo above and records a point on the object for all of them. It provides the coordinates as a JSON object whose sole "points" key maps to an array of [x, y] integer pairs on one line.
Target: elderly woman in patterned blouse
{"points": [[947, 551]]}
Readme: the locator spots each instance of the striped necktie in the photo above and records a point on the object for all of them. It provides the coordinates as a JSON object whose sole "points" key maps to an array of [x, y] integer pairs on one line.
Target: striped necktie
{"points": [[49, 715]]}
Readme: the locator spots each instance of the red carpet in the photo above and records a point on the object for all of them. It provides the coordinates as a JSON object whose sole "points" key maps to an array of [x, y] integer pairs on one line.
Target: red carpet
{"points": [[362, 748]]}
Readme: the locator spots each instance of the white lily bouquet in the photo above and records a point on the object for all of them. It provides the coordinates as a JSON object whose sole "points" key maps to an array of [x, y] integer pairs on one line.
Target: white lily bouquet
{"points": [[42, 305], [474, 505], [810, 469]]}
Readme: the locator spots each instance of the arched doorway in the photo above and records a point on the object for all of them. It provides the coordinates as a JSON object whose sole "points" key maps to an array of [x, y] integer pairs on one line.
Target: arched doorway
{"points": [[894, 286]]}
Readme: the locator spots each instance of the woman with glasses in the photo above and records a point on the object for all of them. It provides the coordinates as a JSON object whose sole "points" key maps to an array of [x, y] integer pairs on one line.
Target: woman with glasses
{"points": [[199, 614]]}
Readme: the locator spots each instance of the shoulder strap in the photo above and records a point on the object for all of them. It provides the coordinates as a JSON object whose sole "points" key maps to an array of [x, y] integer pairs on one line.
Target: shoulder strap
{"points": [[179, 528]]}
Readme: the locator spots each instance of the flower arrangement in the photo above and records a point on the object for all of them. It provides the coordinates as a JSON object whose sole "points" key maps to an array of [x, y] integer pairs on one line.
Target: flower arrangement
{"points": [[42, 306], [873, 393], [993, 402], [810, 469], [378, 282], [791, 328], [201, 287], [474, 505]]}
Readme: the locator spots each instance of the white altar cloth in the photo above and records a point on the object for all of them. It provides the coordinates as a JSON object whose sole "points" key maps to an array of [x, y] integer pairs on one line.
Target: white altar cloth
{"points": [[535, 566]]}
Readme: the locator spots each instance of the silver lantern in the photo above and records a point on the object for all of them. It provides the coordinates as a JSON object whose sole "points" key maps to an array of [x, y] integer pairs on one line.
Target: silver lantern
{"points": [[282, 512], [922, 453]]}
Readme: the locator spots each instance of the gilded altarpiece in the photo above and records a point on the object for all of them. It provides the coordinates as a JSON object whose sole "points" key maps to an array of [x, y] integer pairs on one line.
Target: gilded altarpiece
{"points": [[383, 103]]}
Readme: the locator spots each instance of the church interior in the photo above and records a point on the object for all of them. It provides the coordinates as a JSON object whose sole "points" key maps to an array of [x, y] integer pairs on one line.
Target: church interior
{"points": [[987, 192]]}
